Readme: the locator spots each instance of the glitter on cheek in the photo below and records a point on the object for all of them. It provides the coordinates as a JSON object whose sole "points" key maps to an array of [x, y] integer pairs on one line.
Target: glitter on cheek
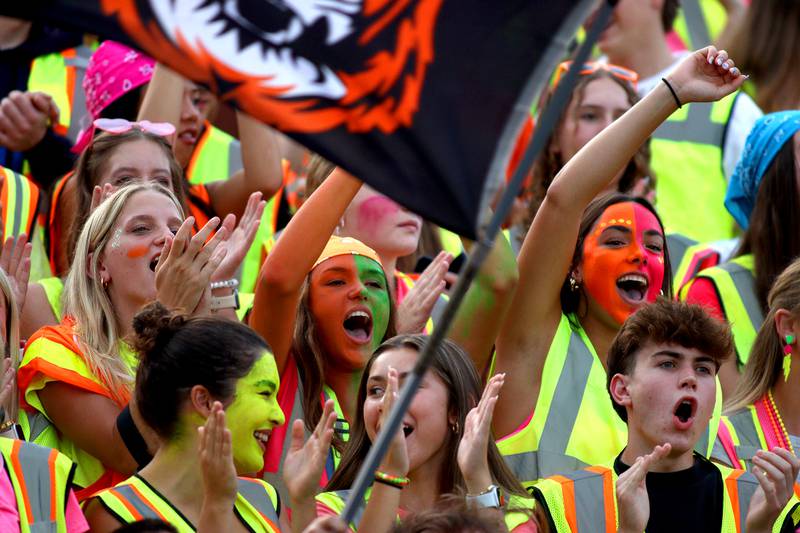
{"points": [[115, 239]]}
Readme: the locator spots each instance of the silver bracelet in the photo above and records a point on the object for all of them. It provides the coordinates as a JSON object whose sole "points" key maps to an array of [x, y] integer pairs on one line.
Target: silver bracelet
{"points": [[226, 284]]}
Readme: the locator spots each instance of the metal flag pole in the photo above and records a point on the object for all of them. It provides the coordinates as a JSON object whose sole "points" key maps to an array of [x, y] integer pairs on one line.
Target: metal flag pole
{"points": [[483, 246]]}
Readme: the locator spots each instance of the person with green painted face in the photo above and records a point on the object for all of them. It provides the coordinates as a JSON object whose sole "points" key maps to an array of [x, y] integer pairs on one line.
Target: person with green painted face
{"points": [[194, 374]]}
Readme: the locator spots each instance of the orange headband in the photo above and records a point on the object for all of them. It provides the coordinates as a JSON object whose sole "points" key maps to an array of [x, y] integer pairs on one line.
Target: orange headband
{"points": [[345, 246]]}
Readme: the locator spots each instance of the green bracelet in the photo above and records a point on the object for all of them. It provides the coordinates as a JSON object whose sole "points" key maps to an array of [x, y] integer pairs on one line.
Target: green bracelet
{"points": [[394, 481]]}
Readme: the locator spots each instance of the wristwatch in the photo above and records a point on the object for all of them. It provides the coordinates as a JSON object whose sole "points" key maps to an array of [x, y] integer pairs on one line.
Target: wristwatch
{"points": [[225, 302], [490, 498]]}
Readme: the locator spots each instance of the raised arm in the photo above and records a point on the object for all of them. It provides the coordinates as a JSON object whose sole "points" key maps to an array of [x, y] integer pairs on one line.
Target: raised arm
{"points": [[486, 304], [546, 254], [162, 99], [282, 276], [261, 170]]}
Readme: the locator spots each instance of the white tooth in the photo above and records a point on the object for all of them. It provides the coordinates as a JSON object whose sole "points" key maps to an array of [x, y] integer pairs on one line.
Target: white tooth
{"points": [[358, 313]]}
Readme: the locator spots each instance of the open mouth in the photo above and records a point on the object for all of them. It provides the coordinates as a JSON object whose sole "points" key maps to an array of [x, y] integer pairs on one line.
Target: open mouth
{"points": [[188, 137], [407, 430], [358, 326], [633, 288], [684, 412], [262, 436], [154, 262]]}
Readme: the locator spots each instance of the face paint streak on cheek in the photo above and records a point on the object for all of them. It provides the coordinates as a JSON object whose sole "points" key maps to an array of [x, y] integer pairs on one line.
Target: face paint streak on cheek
{"points": [[115, 239], [137, 251], [373, 210]]}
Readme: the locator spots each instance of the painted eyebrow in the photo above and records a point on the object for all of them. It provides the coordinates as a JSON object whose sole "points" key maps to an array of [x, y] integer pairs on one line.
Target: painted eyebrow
{"points": [[624, 229], [266, 383], [654, 232], [375, 271]]}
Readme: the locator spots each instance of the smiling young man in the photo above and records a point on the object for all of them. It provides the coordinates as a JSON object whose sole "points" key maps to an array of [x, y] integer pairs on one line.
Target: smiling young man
{"points": [[662, 376]]}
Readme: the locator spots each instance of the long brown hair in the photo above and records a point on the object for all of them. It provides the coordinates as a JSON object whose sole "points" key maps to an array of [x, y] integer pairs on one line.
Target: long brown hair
{"points": [[458, 374], [550, 162], [310, 357], [772, 236], [92, 162], [573, 302], [765, 364], [766, 46]]}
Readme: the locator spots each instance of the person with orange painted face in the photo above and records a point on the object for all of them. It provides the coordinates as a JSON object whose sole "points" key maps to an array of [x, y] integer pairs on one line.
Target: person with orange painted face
{"points": [[585, 266], [394, 232], [324, 303]]}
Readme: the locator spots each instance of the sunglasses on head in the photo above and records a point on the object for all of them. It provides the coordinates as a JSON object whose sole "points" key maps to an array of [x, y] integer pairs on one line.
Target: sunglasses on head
{"points": [[116, 126], [627, 75]]}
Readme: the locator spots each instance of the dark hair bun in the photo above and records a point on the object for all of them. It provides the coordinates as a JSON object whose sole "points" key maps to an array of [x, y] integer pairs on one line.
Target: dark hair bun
{"points": [[154, 326]]}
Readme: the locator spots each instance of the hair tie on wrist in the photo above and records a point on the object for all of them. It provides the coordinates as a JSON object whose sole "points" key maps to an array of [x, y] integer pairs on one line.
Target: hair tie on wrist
{"points": [[674, 94], [393, 481]]}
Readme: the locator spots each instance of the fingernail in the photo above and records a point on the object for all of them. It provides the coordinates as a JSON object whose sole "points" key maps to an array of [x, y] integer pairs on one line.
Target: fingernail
{"points": [[710, 60], [725, 65], [719, 61], [735, 71]]}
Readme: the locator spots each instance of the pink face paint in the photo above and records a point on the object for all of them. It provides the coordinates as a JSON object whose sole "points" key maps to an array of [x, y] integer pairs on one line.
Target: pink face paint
{"points": [[137, 251], [373, 210]]}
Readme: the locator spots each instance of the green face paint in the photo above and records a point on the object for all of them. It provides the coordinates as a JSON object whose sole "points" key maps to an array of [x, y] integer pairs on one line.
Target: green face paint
{"points": [[373, 278], [253, 414]]}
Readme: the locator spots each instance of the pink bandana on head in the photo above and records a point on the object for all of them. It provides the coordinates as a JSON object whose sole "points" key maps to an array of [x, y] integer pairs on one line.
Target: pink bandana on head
{"points": [[114, 70]]}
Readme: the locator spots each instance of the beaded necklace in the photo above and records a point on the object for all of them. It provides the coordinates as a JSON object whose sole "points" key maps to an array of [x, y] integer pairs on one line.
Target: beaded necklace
{"points": [[778, 428]]}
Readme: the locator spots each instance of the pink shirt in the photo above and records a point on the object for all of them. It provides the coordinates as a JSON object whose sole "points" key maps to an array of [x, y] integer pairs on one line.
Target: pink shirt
{"points": [[9, 512]]}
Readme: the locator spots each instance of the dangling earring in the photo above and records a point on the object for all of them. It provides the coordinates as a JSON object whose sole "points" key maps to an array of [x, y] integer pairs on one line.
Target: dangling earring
{"points": [[104, 281], [573, 284], [787, 357]]}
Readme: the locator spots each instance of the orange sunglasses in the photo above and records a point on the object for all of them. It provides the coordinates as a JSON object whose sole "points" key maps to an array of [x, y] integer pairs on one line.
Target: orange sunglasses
{"points": [[618, 72]]}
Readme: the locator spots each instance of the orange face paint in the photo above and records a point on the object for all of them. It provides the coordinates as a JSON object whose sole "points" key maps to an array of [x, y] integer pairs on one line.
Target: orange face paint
{"points": [[623, 259], [137, 251]]}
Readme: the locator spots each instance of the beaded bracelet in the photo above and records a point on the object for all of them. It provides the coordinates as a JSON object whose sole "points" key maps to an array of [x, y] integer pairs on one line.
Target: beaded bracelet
{"points": [[393, 481]]}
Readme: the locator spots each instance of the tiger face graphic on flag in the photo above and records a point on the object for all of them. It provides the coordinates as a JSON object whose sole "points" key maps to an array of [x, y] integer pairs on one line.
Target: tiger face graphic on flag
{"points": [[309, 65]]}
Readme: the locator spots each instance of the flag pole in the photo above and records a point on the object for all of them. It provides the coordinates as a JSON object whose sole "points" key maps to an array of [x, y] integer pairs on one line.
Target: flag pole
{"points": [[545, 126]]}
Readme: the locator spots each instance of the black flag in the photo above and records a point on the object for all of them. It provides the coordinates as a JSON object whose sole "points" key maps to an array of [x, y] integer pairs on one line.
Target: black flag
{"points": [[422, 99]]}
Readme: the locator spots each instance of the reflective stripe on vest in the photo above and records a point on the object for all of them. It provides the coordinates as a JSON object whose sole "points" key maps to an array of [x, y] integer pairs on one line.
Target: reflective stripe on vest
{"points": [[135, 499], [216, 156], [573, 423], [699, 22], [61, 76], [41, 478], [586, 500], [688, 148], [735, 286], [583, 500], [688, 261], [19, 197]]}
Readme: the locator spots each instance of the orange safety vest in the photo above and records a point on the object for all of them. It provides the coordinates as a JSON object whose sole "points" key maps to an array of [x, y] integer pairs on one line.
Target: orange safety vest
{"points": [[57, 361]]}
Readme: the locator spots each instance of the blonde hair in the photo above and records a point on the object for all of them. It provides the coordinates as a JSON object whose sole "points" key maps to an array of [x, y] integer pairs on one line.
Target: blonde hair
{"points": [[86, 300], [765, 364], [11, 342]]}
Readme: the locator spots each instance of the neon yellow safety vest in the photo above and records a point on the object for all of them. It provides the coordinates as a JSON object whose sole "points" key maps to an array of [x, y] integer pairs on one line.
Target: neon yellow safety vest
{"points": [[699, 22], [53, 289], [688, 258], [517, 511], [257, 505], [51, 355], [586, 500], [451, 242], [687, 158], [216, 156], [41, 478], [60, 75], [735, 285], [574, 424]]}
